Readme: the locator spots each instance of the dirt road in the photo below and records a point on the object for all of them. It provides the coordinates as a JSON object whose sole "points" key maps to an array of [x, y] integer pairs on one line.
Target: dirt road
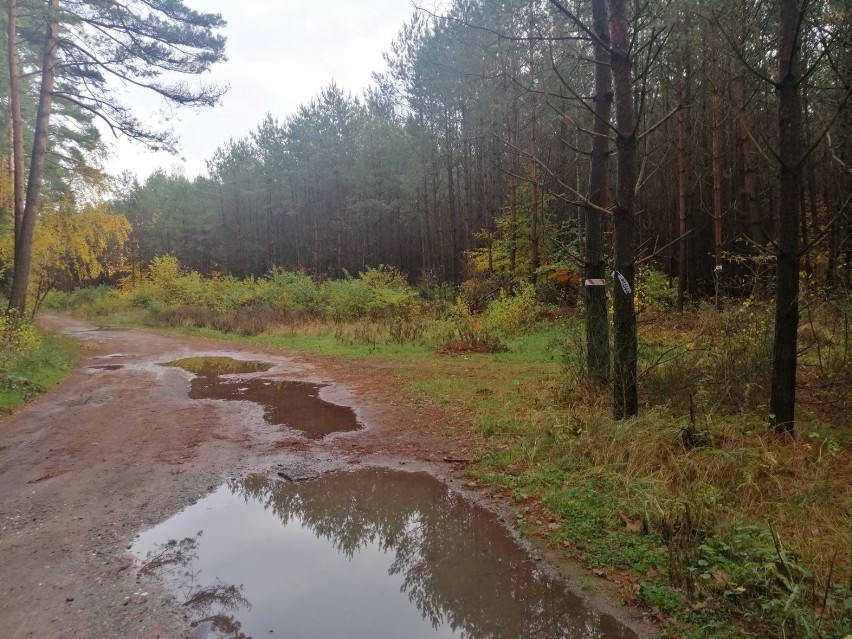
{"points": [[108, 453], [119, 447]]}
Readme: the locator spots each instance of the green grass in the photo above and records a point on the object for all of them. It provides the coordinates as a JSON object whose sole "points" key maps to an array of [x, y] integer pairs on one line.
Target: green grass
{"points": [[317, 343], [44, 368], [546, 438]]}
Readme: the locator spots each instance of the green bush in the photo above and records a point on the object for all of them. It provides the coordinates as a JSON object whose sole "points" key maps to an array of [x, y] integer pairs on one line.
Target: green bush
{"points": [[92, 303], [347, 299], [751, 571], [735, 349], [655, 291], [465, 331], [478, 291], [225, 293], [167, 286], [378, 294], [247, 320], [297, 293], [510, 315], [18, 340]]}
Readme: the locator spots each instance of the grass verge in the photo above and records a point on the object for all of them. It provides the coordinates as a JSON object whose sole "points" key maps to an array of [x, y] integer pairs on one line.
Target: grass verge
{"points": [[693, 509], [45, 367]]}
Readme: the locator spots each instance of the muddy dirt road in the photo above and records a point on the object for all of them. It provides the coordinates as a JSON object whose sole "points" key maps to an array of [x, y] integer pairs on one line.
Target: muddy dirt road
{"points": [[119, 446]]}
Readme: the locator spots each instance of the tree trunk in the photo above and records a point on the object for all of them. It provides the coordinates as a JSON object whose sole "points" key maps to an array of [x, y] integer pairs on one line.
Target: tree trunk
{"points": [[467, 179], [782, 398], [24, 245], [597, 330], [626, 401], [682, 186], [451, 198], [747, 195], [716, 151], [534, 213], [534, 186], [813, 204], [17, 120], [513, 186]]}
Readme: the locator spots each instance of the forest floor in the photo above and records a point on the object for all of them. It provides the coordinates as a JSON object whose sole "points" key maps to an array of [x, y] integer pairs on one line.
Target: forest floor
{"points": [[108, 453]]}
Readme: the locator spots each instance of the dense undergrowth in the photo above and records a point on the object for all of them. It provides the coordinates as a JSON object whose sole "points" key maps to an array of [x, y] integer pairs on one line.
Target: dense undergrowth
{"points": [[694, 508], [30, 362]]}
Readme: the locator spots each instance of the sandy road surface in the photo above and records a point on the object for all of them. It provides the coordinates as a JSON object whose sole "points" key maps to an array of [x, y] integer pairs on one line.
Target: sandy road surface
{"points": [[108, 453]]}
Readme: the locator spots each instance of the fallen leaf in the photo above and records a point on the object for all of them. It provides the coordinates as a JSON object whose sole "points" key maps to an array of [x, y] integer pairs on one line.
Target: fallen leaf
{"points": [[721, 576], [634, 525], [821, 612], [699, 606]]}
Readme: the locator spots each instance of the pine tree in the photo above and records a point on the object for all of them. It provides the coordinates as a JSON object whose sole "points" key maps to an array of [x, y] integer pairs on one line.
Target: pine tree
{"points": [[89, 46]]}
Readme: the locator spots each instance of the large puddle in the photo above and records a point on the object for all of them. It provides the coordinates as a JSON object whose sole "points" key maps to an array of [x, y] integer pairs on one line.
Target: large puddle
{"points": [[371, 554], [296, 405]]}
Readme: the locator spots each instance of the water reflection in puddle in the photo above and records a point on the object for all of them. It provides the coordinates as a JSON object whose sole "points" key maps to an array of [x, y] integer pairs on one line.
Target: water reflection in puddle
{"points": [[215, 366], [374, 554], [296, 405]]}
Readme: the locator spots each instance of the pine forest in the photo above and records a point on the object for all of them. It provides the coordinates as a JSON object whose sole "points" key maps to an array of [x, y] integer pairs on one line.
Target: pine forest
{"points": [[611, 238]]}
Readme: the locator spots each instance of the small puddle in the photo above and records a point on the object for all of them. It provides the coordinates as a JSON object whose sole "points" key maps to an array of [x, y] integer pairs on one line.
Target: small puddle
{"points": [[215, 366], [296, 405], [372, 554], [106, 367]]}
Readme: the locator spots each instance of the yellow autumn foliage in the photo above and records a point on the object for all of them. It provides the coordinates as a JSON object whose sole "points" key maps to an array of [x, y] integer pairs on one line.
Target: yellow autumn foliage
{"points": [[71, 245], [17, 340]]}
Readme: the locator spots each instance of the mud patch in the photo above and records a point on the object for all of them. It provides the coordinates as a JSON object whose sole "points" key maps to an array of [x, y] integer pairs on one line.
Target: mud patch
{"points": [[216, 366], [291, 404], [106, 367], [370, 553]]}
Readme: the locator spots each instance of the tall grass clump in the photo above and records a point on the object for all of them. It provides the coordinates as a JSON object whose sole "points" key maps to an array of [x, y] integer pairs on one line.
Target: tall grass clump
{"points": [[720, 361], [18, 340], [297, 293], [378, 294], [90, 303], [30, 361], [512, 314], [708, 511]]}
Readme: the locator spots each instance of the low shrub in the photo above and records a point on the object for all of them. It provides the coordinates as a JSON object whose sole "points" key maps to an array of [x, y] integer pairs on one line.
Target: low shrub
{"points": [[466, 332], [295, 292], [478, 291], [18, 340], [93, 303], [655, 291], [510, 315], [252, 319], [378, 294]]}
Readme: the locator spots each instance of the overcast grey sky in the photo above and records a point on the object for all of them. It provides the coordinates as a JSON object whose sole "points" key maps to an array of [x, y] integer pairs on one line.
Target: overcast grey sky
{"points": [[281, 53]]}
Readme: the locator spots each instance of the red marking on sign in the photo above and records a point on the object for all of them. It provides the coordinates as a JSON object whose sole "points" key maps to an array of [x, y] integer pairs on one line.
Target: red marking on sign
{"points": [[595, 282]]}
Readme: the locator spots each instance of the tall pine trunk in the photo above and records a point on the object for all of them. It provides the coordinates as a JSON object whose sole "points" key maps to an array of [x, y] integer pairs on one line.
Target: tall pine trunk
{"points": [[597, 329], [626, 401], [716, 159], [534, 198], [24, 244], [17, 120], [683, 216], [747, 197], [782, 398], [513, 186]]}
